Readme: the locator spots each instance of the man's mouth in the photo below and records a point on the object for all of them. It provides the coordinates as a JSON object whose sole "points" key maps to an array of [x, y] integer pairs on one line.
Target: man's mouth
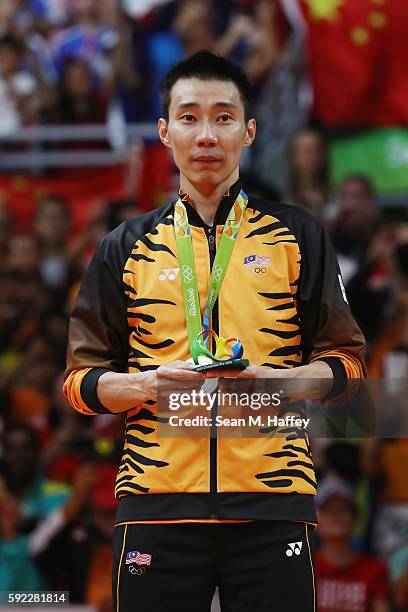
{"points": [[206, 159]]}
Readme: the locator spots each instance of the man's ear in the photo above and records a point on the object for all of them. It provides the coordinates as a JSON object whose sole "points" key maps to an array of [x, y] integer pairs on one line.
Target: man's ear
{"points": [[162, 126], [250, 133]]}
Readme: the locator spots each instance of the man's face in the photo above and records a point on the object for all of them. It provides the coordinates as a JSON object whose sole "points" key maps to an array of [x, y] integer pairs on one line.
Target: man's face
{"points": [[51, 223], [336, 518], [20, 455], [358, 208], [307, 153], [206, 130]]}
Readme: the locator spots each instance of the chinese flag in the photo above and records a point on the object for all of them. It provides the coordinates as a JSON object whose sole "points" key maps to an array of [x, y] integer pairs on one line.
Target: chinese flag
{"points": [[392, 106], [358, 61]]}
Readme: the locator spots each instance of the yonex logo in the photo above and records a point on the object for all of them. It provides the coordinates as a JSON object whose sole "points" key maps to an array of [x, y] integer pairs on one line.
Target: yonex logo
{"points": [[169, 274], [187, 274], [294, 548]]}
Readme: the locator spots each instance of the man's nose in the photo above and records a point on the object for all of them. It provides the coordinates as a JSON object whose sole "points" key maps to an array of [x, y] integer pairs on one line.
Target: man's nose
{"points": [[206, 135]]}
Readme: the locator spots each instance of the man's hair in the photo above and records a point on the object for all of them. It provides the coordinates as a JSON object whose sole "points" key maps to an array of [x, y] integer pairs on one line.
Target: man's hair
{"points": [[205, 66], [53, 198], [363, 179]]}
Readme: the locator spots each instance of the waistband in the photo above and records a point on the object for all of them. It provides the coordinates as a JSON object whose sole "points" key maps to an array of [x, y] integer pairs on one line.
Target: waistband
{"points": [[232, 506]]}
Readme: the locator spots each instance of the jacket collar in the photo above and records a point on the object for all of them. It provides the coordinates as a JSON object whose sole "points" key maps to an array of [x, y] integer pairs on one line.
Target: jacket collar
{"points": [[223, 209]]}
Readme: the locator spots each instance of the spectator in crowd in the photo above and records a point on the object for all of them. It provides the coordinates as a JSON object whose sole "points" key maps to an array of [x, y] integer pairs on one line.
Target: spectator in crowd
{"points": [[7, 12], [308, 171], [355, 222], [79, 553], [399, 577], [51, 536], [49, 13], [24, 257], [246, 37], [120, 211], [77, 439], [389, 355], [17, 18], [21, 476], [353, 229], [87, 39], [79, 100], [373, 283], [83, 245], [23, 298], [346, 580], [51, 228], [274, 58], [29, 384], [129, 91], [6, 231], [27, 318], [385, 460], [26, 22], [193, 26], [18, 87], [18, 571]]}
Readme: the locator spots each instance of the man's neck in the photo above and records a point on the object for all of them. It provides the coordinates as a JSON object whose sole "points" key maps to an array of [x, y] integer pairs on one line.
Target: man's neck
{"points": [[206, 199], [338, 552]]}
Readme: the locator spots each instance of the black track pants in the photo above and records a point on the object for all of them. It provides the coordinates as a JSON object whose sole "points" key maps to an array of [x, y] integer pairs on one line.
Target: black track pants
{"points": [[262, 566]]}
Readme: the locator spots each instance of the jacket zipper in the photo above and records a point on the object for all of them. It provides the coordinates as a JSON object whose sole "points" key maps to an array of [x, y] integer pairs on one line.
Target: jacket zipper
{"points": [[213, 432]]}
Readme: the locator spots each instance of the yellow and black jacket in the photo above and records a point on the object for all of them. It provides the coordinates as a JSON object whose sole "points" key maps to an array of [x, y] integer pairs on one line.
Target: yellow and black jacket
{"points": [[129, 317]]}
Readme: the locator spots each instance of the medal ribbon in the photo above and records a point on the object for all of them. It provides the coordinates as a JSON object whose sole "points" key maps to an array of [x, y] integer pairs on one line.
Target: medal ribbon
{"points": [[187, 267]]}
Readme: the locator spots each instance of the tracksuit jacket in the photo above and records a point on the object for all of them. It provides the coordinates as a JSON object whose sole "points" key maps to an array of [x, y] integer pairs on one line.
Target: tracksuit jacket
{"points": [[289, 311]]}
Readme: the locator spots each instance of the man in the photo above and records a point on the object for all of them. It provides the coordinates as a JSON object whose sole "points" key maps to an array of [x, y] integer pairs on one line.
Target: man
{"points": [[347, 580], [197, 512]]}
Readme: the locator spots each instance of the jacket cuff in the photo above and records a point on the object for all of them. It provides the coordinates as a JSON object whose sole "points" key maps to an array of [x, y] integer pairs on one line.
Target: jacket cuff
{"points": [[339, 376], [88, 390]]}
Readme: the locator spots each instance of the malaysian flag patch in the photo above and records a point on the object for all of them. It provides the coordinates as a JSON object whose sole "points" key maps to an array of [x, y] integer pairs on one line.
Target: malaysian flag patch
{"points": [[256, 260], [135, 556]]}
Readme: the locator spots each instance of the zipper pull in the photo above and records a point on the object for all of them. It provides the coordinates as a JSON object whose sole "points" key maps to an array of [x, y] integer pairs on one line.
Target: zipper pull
{"points": [[211, 242]]}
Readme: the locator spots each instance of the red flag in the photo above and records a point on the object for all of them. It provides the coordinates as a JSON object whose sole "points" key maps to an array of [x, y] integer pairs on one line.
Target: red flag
{"points": [[392, 106], [358, 61], [21, 192]]}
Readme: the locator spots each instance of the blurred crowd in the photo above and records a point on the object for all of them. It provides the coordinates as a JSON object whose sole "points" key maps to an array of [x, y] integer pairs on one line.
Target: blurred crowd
{"points": [[76, 61], [71, 61]]}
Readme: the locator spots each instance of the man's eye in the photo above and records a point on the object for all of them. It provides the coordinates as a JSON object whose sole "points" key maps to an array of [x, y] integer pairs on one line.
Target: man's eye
{"points": [[224, 118], [188, 117]]}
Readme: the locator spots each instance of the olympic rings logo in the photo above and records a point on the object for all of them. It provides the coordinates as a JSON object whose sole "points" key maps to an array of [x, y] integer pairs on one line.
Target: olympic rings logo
{"points": [[139, 571], [259, 270], [217, 272], [187, 273]]}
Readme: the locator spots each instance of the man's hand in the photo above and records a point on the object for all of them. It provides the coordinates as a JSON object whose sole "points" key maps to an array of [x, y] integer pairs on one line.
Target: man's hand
{"points": [[84, 480], [122, 392], [175, 371], [312, 381], [317, 369]]}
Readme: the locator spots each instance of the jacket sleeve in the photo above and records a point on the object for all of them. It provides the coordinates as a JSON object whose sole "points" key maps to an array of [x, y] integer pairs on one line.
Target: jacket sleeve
{"points": [[329, 331], [98, 331]]}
